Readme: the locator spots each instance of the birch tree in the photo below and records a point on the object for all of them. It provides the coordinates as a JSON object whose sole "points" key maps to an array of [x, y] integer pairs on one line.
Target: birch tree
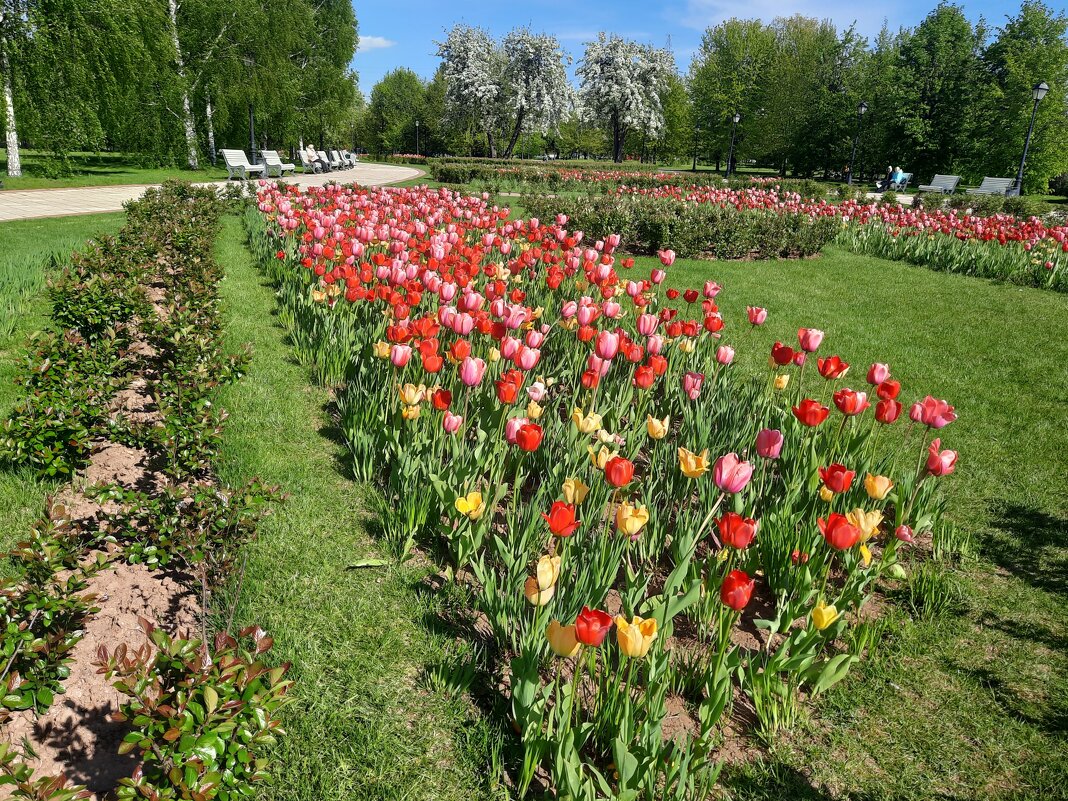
{"points": [[621, 86]]}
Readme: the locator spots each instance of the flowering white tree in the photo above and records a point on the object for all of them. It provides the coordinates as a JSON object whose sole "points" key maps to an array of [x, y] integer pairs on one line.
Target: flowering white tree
{"points": [[621, 85], [535, 83], [474, 80]]}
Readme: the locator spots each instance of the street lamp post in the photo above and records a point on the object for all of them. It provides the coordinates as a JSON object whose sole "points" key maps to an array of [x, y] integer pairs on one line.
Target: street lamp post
{"points": [[696, 134], [862, 109], [250, 62], [730, 153], [417, 137], [1037, 93]]}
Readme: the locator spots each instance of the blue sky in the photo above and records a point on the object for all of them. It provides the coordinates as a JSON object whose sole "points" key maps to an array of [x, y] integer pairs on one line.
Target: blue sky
{"points": [[402, 33]]}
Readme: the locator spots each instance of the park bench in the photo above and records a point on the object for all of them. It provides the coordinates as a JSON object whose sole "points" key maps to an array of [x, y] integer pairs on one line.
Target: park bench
{"points": [[901, 185], [237, 164], [274, 164], [348, 157], [307, 164], [335, 160], [993, 186], [944, 184]]}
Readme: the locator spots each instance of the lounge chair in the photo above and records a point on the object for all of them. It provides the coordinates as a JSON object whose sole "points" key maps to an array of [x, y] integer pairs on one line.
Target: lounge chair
{"points": [[902, 185], [994, 186], [943, 184], [274, 164], [335, 160], [237, 164]]}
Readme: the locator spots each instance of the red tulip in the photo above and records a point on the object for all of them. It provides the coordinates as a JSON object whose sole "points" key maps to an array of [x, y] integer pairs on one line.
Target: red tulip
{"points": [[644, 376], [839, 533], [690, 295], [441, 398], [782, 354], [836, 478], [736, 590], [887, 411], [619, 471], [736, 531], [592, 626], [528, 437], [561, 519], [888, 389], [851, 403], [832, 367], [507, 391], [810, 412]]}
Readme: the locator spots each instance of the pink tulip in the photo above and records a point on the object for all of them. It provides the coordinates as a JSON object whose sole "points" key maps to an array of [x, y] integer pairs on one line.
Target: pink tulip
{"points": [[667, 257], [757, 315], [939, 462], [657, 276], [878, 373], [692, 383], [731, 474], [536, 391], [510, 346], [607, 345], [569, 309], [655, 344], [810, 338], [724, 354], [932, 412], [712, 289], [451, 422], [769, 443], [471, 371], [647, 324], [904, 533], [527, 358], [400, 354], [512, 426]]}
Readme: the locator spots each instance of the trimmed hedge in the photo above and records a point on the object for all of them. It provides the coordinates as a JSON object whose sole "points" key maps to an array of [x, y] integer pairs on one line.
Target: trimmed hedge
{"points": [[647, 225]]}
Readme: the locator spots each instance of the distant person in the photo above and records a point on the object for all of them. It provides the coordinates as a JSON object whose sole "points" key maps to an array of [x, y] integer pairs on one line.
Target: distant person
{"points": [[898, 176], [885, 183], [315, 157]]}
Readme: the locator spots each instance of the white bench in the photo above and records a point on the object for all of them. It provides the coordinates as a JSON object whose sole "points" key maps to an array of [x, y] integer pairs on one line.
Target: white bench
{"points": [[993, 186], [944, 184], [902, 185], [237, 164], [274, 164], [335, 160]]}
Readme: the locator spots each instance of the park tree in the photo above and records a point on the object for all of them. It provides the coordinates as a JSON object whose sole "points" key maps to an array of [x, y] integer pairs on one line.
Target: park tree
{"points": [[728, 76], [621, 83], [938, 83], [397, 102], [474, 78], [1030, 48], [534, 83]]}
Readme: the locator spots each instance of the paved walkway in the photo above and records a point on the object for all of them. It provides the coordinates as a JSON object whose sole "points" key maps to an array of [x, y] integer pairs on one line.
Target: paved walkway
{"points": [[26, 204]]}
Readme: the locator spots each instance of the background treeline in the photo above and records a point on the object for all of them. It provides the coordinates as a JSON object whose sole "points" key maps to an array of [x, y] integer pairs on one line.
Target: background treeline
{"points": [[172, 81], [948, 96]]}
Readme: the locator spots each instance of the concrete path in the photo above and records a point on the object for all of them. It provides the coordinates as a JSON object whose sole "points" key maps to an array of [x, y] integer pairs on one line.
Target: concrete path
{"points": [[26, 204]]}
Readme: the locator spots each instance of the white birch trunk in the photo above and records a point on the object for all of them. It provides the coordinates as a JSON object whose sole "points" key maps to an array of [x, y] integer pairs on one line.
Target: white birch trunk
{"points": [[14, 162], [187, 110], [209, 113]]}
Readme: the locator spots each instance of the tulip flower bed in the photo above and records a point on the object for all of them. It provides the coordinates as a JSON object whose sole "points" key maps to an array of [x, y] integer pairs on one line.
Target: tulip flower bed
{"points": [[641, 527], [1001, 246]]}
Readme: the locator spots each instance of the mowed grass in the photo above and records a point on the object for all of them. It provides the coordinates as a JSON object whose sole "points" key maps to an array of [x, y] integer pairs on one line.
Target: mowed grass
{"points": [[971, 705], [99, 169], [363, 726], [26, 249]]}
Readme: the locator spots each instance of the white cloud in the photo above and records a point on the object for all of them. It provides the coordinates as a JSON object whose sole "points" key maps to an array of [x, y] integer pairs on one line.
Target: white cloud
{"points": [[374, 43]]}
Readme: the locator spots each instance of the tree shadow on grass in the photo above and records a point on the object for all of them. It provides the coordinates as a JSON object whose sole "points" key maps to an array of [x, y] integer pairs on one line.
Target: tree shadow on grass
{"points": [[777, 781], [1031, 544]]}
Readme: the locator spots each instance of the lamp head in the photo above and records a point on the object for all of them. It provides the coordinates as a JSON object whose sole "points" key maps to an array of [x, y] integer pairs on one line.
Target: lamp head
{"points": [[1040, 90], [862, 109]]}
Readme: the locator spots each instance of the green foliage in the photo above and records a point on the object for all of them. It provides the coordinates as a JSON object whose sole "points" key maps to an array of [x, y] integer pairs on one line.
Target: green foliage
{"points": [[17, 776], [200, 716], [397, 102], [933, 591]]}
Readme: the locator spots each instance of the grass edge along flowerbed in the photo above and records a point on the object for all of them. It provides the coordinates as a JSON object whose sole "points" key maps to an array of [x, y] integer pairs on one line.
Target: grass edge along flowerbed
{"points": [[138, 308], [348, 260]]}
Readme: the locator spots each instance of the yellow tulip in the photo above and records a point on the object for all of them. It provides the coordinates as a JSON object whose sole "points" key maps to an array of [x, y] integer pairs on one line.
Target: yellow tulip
{"points": [[824, 615], [826, 494], [657, 428], [562, 639], [318, 295], [581, 284], [631, 519], [600, 458], [692, 464], [865, 554], [636, 637], [535, 595], [493, 356], [782, 381], [878, 487], [534, 410], [381, 349], [586, 423], [607, 437], [867, 522], [471, 505], [411, 394], [411, 412], [570, 324], [575, 490], [687, 345], [548, 571]]}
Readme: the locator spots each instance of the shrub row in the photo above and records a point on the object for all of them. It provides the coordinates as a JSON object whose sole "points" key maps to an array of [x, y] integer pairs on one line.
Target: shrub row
{"points": [[647, 225], [144, 306]]}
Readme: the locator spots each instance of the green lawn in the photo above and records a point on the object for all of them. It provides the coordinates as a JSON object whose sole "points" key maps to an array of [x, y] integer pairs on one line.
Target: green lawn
{"points": [[26, 248], [974, 705], [364, 725], [99, 169]]}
